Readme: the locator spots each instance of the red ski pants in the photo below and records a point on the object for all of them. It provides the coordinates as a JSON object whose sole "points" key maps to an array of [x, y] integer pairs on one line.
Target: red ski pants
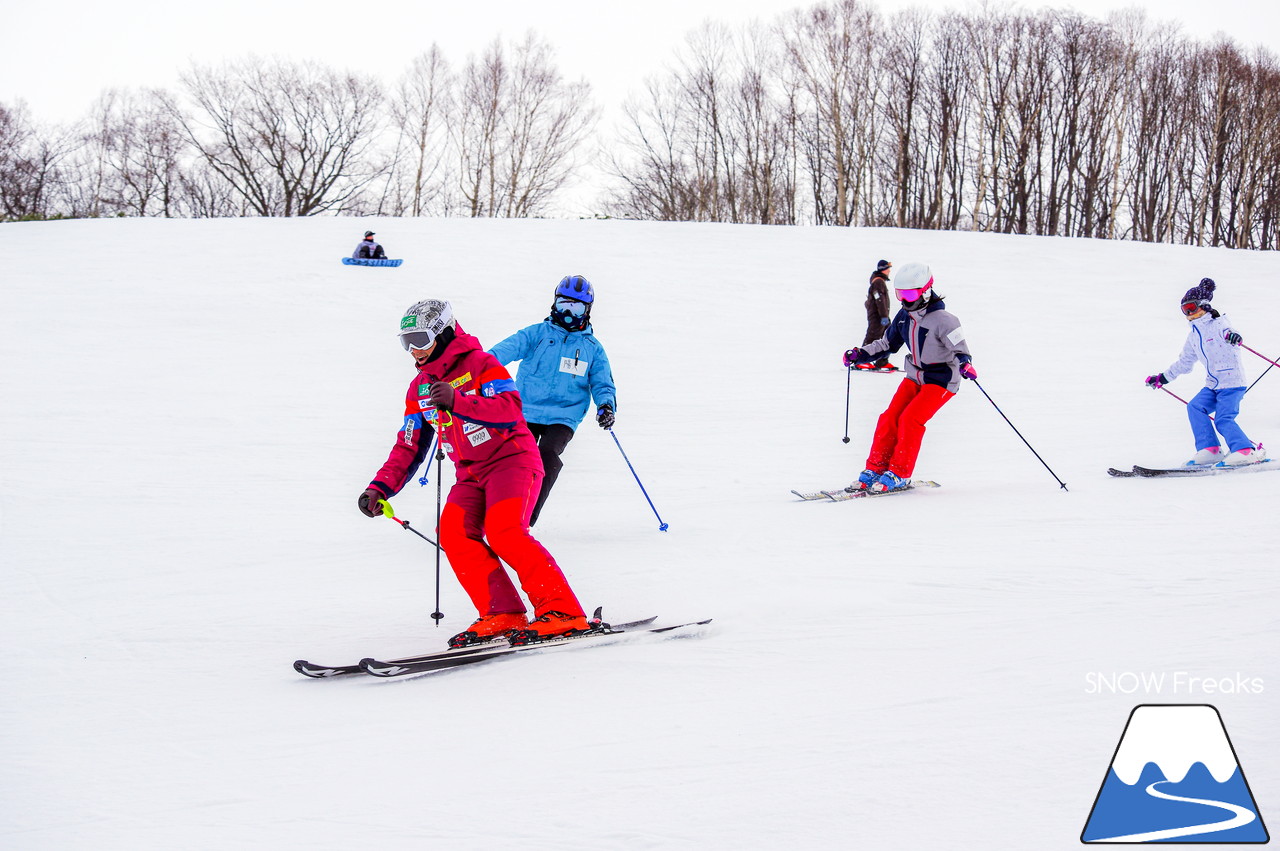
{"points": [[485, 523], [900, 429]]}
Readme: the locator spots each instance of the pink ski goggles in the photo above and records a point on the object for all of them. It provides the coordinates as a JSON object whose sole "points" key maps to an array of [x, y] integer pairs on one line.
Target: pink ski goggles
{"points": [[913, 295]]}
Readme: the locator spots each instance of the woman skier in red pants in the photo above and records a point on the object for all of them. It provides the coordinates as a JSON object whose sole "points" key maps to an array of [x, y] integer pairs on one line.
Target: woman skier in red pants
{"points": [[469, 396], [938, 358]]}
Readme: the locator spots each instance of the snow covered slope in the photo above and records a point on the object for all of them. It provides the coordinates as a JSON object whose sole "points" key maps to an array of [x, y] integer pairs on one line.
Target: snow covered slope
{"points": [[189, 409]]}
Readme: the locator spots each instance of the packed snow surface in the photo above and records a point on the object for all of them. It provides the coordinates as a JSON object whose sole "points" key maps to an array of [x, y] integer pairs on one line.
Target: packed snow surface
{"points": [[190, 409]]}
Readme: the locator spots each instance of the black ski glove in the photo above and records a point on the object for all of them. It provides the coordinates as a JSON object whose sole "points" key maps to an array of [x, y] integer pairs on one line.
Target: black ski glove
{"points": [[442, 394], [368, 502], [604, 416]]}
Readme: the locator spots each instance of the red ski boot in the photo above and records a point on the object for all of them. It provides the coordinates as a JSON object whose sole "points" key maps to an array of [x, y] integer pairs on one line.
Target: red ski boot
{"points": [[488, 627]]}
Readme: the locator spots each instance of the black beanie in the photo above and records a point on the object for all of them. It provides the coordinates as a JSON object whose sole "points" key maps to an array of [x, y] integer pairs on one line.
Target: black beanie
{"points": [[1201, 293]]}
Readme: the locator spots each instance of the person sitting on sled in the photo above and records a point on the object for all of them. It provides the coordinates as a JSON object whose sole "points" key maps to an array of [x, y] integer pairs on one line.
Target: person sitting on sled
{"points": [[1212, 341], [938, 357], [368, 249]]}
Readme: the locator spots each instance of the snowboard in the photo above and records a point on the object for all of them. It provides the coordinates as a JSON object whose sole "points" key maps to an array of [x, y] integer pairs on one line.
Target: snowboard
{"points": [[364, 261]]}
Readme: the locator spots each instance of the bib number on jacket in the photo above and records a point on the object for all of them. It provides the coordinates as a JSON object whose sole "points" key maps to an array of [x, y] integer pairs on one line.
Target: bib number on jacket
{"points": [[573, 367]]}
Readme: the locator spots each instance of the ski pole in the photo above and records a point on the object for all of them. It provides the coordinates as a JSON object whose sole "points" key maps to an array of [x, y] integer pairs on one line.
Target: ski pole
{"points": [[426, 468], [1174, 395], [1265, 371], [437, 615], [1184, 401], [662, 527], [1019, 434], [848, 385], [1259, 354], [387, 511]]}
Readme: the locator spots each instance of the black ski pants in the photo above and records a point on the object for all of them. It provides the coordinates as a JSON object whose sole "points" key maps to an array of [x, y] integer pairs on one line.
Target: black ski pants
{"points": [[552, 440]]}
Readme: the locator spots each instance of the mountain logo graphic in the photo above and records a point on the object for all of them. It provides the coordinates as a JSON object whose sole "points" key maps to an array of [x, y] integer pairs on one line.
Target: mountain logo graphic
{"points": [[1175, 779]]}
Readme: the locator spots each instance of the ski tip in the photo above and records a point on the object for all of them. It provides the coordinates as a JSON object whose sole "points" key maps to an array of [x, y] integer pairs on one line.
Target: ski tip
{"points": [[381, 669], [316, 672]]}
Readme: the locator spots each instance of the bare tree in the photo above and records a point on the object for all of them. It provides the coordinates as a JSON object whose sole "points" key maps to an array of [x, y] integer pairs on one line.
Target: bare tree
{"points": [[714, 140], [139, 150], [829, 50], [421, 175], [518, 129], [292, 139], [34, 180]]}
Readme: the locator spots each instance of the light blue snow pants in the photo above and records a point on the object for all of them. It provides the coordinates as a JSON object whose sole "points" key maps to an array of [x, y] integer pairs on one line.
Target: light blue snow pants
{"points": [[1225, 404]]}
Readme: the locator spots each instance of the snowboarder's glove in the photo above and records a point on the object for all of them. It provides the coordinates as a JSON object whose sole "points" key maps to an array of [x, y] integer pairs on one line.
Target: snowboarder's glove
{"points": [[884, 320], [1155, 382], [967, 371], [1232, 338], [368, 502], [442, 395], [604, 416], [851, 357]]}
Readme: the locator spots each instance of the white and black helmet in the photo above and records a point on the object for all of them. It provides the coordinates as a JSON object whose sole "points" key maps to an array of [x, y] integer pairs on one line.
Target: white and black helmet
{"points": [[424, 322]]}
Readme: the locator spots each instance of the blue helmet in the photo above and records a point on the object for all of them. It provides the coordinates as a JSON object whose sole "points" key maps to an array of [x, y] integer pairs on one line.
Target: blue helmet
{"points": [[571, 307], [576, 287]]}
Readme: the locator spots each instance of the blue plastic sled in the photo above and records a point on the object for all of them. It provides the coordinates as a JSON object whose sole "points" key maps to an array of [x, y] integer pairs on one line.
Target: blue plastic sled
{"points": [[363, 261]]}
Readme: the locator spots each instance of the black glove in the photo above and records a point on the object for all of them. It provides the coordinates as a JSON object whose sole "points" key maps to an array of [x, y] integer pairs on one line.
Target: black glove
{"points": [[368, 502], [1232, 338], [442, 395], [1155, 382], [851, 357], [604, 416]]}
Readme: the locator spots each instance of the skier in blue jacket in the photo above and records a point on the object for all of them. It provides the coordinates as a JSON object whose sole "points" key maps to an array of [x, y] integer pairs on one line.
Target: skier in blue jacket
{"points": [[563, 367]]}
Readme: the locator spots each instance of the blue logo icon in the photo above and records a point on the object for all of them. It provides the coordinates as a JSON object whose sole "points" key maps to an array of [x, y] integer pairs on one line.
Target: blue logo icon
{"points": [[1175, 779]]}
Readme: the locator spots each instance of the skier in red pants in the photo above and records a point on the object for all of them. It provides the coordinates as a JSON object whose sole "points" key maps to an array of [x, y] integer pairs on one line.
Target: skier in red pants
{"points": [[938, 358], [470, 397]]}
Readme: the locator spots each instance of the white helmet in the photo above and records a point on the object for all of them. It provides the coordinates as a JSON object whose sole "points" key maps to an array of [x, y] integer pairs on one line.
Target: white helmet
{"points": [[913, 282], [424, 322]]}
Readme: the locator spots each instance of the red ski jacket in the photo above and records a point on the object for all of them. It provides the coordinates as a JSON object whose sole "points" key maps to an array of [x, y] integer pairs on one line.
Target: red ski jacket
{"points": [[485, 430]]}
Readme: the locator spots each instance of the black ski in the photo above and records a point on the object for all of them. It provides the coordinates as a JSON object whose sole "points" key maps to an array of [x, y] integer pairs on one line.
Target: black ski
{"points": [[320, 672], [445, 662], [1159, 472]]}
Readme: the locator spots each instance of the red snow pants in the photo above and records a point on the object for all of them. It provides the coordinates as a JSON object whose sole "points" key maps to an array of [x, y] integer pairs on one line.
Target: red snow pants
{"points": [[900, 429], [485, 523]]}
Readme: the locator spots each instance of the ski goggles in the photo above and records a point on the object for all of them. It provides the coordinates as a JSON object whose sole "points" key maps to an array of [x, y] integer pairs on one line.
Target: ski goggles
{"points": [[571, 306], [1191, 307], [417, 340], [909, 295]]}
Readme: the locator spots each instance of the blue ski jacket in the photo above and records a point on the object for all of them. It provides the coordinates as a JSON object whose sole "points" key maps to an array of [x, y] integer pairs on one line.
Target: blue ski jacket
{"points": [[560, 372]]}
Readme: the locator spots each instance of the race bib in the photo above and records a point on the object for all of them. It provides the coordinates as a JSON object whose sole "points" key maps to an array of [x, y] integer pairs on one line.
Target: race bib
{"points": [[574, 367], [479, 436]]}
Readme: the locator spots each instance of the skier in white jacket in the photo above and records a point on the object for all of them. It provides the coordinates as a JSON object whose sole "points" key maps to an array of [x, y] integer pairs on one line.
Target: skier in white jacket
{"points": [[1213, 342]]}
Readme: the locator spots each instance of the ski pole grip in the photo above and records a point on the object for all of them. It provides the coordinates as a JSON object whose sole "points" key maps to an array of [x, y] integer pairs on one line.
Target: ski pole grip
{"points": [[386, 509]]}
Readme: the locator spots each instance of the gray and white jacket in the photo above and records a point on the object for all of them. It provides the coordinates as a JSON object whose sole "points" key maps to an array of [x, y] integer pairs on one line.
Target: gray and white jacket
{"points": [[935, 342], [1207, 343]]}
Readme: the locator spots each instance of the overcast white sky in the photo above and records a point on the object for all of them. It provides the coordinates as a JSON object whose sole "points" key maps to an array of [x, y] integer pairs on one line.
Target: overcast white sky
{"points": [[60, 54]]}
